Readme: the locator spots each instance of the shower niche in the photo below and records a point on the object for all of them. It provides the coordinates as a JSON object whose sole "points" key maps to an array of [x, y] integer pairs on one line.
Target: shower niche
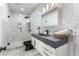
{"points": [[19, 27]]}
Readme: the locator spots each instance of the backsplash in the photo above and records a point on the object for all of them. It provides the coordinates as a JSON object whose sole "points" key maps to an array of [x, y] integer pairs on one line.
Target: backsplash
{"points": [[53, 28]]}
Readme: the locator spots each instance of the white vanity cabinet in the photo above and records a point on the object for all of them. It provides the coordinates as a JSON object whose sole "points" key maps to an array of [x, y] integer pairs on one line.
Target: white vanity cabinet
{"points": [[47, 50]]}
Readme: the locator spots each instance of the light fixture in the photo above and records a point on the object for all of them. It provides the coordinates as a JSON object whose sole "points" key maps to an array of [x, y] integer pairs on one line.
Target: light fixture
{"points": [[47, 6], [27, 20], [24, 22], [53, 4], [43, 9], [22, 9]]}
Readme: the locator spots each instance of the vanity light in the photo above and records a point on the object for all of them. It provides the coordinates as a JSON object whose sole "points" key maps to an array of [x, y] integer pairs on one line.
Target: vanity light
{"points": [[53, 4], [47, 6], [43, 9], [22, 9]]}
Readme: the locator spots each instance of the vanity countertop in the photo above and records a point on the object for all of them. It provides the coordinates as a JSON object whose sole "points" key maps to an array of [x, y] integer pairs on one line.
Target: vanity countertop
{"points": [[51, 40]]}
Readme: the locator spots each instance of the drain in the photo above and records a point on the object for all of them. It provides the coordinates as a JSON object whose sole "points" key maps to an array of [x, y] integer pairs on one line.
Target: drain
{"points": [[8, 43]]}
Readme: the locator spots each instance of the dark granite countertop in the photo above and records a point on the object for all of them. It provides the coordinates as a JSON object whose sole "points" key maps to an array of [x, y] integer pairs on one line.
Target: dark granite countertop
{"points": [[50, 40]]}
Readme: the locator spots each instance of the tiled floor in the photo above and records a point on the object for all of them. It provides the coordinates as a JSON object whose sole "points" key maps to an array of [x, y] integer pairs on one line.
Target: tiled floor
{"points": [[20, 52]]}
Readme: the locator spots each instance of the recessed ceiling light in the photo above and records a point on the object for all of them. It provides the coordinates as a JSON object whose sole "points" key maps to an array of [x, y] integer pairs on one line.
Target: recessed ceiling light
{"points": [[20, 14], [22, 9], [53, 4], [43, 9], [27, 20], [1, 4]]}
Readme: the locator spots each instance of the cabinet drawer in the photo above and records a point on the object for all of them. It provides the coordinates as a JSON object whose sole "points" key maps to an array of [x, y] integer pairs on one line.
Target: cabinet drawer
{"points": [[49, 52], [48, 48], [33, 41], [45, 53]]}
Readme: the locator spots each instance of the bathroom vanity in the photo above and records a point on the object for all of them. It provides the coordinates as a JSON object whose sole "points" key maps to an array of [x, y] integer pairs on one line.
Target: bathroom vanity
{"points": [[48, 45]]}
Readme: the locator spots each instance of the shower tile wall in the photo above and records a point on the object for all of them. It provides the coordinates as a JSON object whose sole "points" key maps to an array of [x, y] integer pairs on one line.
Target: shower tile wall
{"points": [[11, 33]]}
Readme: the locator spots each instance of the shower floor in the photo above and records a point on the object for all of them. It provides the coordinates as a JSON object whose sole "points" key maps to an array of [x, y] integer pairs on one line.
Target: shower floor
{"points": [[20, 51]]}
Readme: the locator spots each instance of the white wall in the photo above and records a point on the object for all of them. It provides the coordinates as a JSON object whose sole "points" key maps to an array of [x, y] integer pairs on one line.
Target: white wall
{"points": [[36, 19], [3, 17], [70, 15], [67, 10]]}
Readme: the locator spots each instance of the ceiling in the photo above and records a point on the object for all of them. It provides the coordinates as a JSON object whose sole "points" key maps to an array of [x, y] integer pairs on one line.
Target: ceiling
{"points": [[27, 8]]}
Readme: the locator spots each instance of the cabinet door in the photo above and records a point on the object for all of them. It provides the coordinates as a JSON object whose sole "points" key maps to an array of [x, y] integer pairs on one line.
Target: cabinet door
{"points": [[33, 41], [39, 47], [47, 50]]}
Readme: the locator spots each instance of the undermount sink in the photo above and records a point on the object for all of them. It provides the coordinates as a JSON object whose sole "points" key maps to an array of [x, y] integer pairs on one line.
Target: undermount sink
{"points": [[41, 34], [50, 37]]}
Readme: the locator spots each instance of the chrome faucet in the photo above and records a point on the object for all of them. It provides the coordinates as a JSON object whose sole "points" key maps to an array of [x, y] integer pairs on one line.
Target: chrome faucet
{"points": [[47, 31]]}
